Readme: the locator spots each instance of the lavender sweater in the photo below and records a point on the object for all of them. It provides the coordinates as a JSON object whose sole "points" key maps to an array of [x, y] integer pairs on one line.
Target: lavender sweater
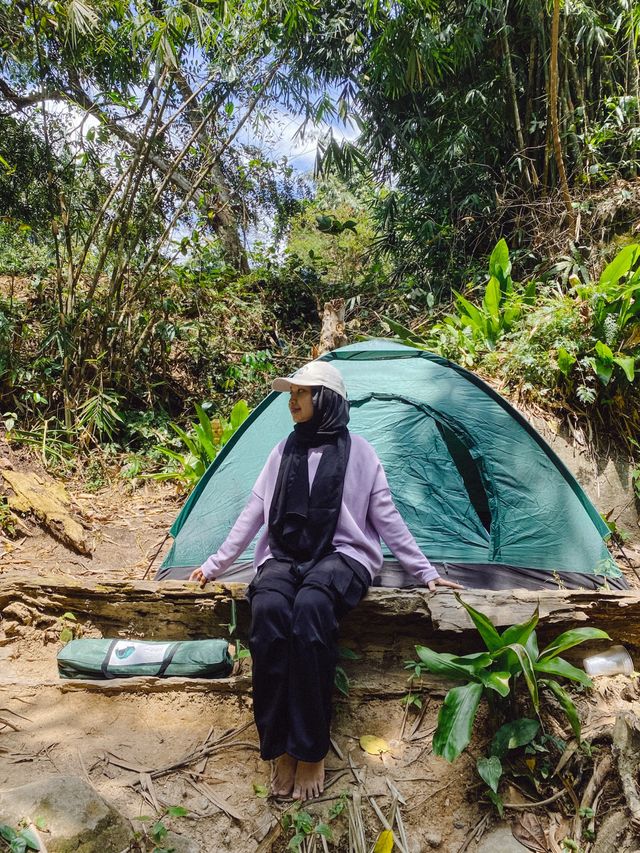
{"points": [[367, 515]]}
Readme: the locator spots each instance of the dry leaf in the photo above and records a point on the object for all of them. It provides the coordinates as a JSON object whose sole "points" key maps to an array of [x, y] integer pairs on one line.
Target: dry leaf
{"points": [[529, 831], [374, 745], [384, 844]]}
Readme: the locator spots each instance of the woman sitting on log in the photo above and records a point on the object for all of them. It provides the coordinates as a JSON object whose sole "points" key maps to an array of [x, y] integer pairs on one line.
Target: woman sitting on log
{"points": [[325, 503]]}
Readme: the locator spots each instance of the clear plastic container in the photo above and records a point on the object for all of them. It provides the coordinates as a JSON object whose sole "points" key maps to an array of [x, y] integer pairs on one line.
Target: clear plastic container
{"points": [[613, 661]]}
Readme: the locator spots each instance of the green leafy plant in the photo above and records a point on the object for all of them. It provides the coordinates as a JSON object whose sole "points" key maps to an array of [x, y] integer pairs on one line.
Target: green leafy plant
{"points": [[18, 841], [511, 659], [473, 328], [510, 667], [341, 679], [152, 839], [202, 443], [68, 625], [303, 826]]}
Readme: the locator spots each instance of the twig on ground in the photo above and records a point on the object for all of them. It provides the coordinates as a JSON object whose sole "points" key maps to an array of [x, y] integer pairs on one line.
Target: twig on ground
{"points": [[539, 804], [476, 833]]}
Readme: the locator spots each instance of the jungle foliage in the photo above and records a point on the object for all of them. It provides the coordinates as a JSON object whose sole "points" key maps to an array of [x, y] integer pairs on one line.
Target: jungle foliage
{"points": [[154, 255]]}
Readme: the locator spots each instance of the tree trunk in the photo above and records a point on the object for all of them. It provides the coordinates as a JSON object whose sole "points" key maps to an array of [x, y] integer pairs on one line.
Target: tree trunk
{"points": [[528, 171], [223, 218], [553, 114], [332, 334]]}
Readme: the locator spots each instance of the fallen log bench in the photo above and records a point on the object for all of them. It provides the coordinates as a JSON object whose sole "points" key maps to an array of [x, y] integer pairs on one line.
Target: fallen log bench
{"points": [[384, 627]]}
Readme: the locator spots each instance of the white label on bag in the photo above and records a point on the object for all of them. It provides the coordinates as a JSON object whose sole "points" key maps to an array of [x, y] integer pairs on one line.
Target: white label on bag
{"points": [[133, 652]]}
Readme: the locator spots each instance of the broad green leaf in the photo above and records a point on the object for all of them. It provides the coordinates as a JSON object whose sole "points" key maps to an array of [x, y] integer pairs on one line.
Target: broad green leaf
{"points": [[526, 666], [604, 353], [384, 842], [510, 315], [490, 770], [185, 437], [520, 633], [324, 829], [496, 799], [474, 314], [565, 361], [341, 681], [239, 413], [567, 705], [296, 841], [561, 667], [484, 626], [620, 265], [498, 681], [260, 790], [7, 832], [530, 293], [572, 638], [66, 635], [30, 839], [205, 423], [628, 364], [348, 654], [404, 333], [491, 299], [18, 845], [441, 663], [476, 661], [511, 735], [177, 811], [499, 263], [532, 646], [70, 616], [206, 443], [455, 720], [602, 370]]}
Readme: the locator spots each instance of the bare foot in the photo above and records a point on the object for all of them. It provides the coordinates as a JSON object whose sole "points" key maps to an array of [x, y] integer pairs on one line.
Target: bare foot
{"points": [[309, 782], [283, 773]]}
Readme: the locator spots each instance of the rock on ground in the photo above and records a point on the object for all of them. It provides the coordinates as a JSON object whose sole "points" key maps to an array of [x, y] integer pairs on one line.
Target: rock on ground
{"points": [[500, 840], [75, 818]]}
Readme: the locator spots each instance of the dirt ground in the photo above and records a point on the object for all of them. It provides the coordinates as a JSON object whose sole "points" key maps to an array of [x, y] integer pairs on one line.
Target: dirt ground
{"points": [[50, 727]]}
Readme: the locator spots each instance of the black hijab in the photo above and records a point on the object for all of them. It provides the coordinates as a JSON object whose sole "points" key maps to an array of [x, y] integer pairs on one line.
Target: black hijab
{"points": [[302, 523]]}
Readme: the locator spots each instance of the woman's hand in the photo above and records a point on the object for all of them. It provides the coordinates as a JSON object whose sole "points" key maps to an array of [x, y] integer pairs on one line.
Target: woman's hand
{"points": [[441, 582], [198, 575]]}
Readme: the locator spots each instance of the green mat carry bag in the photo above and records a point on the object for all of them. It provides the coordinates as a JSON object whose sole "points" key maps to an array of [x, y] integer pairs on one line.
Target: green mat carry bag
{"points": [[127, 658]]}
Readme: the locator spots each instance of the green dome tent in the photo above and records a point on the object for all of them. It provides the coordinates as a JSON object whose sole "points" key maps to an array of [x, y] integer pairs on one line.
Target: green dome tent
{"points": [[485, 497]]}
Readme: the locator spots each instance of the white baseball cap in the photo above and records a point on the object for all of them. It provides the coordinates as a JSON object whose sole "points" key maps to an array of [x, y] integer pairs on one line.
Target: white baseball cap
{"points": [[314, 373]]}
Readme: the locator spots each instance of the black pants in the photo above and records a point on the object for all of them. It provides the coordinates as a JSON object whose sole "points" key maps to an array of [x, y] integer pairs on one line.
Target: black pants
{"points": [[293, 644]]}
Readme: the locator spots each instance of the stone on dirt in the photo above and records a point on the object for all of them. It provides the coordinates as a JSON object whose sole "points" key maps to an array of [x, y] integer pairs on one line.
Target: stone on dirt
{"points": [[500, 840], [76, 819]]}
